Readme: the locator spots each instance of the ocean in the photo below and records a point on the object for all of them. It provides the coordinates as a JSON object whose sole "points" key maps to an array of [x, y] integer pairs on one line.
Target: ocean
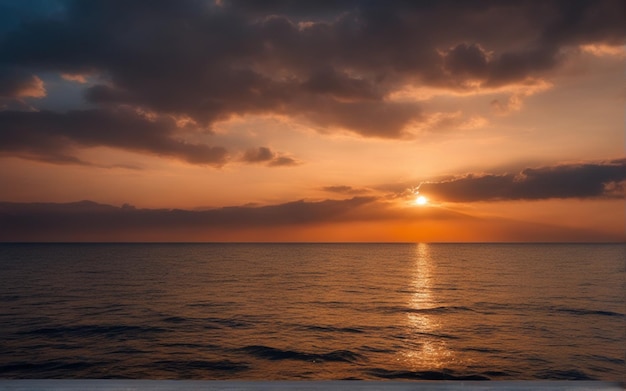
{"points": [[313, 311]]}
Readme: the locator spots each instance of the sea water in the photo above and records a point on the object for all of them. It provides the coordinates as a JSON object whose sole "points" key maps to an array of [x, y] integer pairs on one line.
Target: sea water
{"points": [[313, 311]]}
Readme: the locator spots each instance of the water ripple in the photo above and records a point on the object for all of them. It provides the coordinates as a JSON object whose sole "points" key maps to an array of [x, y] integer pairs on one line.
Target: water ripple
{"points": [[422, 375], [86, 331], [568, 374], [270, 353]]}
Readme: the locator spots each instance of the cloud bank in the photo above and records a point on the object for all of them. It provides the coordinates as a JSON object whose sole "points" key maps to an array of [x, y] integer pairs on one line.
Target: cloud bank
{"points": [[29, 221], [562, 181], [358, 218]]}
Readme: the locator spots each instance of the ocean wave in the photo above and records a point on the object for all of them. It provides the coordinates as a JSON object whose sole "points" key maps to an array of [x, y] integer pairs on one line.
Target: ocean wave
{"points": [[174, 319], [210, 305], [86, 331], [423, 375], [48, 369], [433, 310], [481, 350], [436, 335], [492, 374], [187, 365], [230, 323], [567, 374], [487, 308], [600, 358], [9, 298], [177, 322], [187, 345], [270, 353], [209, 322], [332, 329], [577, 311], [125, 350], [372, 349]]}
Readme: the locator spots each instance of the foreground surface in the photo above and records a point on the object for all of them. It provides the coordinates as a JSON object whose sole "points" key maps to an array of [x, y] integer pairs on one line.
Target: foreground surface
{"points": [[313, 312], [192, 385]]}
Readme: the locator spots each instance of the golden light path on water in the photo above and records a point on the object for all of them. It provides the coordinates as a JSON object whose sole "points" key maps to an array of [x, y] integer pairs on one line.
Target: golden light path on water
{"points": [[433, 352]]}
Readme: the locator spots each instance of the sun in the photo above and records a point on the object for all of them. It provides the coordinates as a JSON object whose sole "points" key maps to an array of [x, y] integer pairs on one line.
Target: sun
{"points": [[421, 200]]}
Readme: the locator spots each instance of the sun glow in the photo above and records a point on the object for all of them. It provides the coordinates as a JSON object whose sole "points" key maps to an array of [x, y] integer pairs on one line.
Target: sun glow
{"points": [[421, 200]]}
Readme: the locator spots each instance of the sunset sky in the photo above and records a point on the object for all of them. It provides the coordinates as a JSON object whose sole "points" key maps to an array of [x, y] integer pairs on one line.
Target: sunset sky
{"points": [[228, 120]]}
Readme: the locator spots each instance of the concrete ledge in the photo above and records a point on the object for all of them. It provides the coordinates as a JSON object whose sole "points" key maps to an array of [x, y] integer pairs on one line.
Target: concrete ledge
{"points": [[210, 385]]}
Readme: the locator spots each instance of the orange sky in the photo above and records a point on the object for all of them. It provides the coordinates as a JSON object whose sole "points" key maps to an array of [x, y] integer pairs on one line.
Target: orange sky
{"points": [[303, 122]]}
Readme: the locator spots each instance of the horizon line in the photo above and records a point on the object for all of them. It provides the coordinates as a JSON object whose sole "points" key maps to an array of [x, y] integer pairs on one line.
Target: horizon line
{"points": [[310, 242]]}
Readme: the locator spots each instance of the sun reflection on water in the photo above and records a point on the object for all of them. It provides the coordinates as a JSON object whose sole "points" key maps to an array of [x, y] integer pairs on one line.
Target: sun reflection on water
{"points": [[431, 350]]}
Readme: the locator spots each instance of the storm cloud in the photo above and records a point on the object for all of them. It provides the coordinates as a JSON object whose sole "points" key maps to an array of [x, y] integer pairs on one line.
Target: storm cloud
{"points": [[332, 64], [561, 181]]}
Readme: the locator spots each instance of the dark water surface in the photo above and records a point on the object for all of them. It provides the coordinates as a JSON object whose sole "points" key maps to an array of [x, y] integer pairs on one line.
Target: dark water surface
{"points": [[313, 311]]}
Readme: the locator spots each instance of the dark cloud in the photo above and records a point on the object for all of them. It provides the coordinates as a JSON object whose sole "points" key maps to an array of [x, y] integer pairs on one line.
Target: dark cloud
{"points": [[87, 220], [341, 86], [373, 119], [583, 21], [299, 10], [467, 61], [21, 221], [16, 83], [261, 154], [332, 63], [563, 181], [90, 221], [51, 136], [267, 156]]}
